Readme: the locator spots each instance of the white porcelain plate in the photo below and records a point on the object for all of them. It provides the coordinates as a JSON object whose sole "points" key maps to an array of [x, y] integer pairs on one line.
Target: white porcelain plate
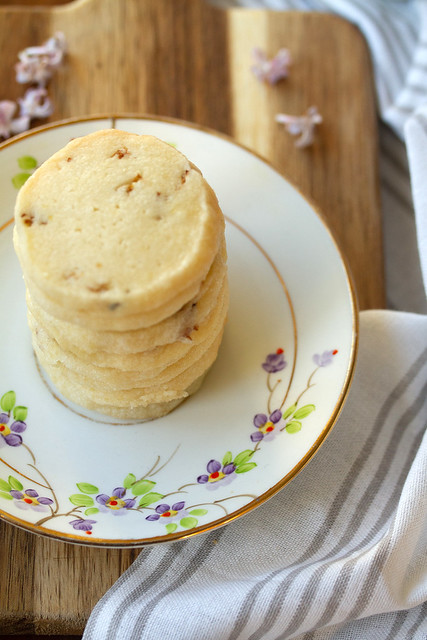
{"points": [[279, 382]]}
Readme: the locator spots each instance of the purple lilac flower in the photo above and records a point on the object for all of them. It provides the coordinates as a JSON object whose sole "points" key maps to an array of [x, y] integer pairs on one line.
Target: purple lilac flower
{"points": [[35, 104], [273, 70], [115, 503], [83, 525], [169, 513], [266, 426], [274, 362], [36, 64], [30, 499], [10, 433], [302, 126], [8, 124], [324, 359], [217, 473]]}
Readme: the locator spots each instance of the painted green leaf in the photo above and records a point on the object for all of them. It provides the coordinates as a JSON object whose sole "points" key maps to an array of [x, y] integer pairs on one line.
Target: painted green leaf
{"points": [[227, 458], [85, 487], [294, 426], [243, 457], [6, 496], [27, 162], [7, 401], [188, 523], [4, 486], [289, 411], [20, 179], [129, 481], [149, 498], [81, 501], [171, 527], [304, 411], [198, 512], [244, 468], [20, 413], [15, 484], [91, 511], [142, 486]]}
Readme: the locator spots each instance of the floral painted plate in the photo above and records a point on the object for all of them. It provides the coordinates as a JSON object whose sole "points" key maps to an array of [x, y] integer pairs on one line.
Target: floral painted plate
{"points": [[279, 382]]}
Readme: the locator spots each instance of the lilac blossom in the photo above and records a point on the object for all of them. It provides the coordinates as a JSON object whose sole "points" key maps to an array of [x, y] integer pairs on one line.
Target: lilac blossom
{"points": [[302, 126], [267, 426], [169, 513], [35, 104], [115, 503], [274, 362], [324, 359], [30, 499], [273, 70], [8, 124], [36, 64], [10, 434]]}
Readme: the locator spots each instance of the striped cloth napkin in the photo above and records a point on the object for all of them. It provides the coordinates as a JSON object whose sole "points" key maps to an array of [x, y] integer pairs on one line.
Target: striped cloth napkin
{"points": [[341, 552]]}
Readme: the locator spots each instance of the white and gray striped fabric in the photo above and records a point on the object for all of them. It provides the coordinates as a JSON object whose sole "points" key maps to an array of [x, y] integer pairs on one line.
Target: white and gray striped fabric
{"points": [[341, 552]]}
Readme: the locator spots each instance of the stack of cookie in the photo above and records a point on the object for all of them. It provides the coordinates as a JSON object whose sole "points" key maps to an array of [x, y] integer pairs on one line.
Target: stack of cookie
{"points": [[121, 242]]}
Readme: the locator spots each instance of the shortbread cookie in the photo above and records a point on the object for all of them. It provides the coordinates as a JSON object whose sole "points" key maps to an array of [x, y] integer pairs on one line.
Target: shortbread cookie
{"points": [[117, 224], [114, 379], [79, 391], [151, 360], [138, 412], [177, 328], [109, 320], [134, 323]]}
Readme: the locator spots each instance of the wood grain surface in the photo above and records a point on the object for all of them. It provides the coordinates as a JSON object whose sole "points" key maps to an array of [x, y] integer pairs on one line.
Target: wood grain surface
{"points": [[185, 59]]}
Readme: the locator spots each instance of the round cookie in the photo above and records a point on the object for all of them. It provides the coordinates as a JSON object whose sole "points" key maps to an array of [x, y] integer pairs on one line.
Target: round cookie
{"points": [[113, 379], [131, 398], [138, 412], [115, 198], [156, 359], [177, 328], [172, 328]]}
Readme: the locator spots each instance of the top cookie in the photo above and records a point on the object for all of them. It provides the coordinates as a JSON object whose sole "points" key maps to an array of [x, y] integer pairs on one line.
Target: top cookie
{"points": [[117, 223]]}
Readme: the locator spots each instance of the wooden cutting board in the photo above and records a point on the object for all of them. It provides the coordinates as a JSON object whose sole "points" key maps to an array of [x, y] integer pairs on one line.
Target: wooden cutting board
{"points": [[185, 59]]}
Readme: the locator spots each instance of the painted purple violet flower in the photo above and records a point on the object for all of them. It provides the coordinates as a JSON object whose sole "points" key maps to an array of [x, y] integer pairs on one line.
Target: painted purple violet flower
{"points": [[302, 126], [217, 473], [115, 503], [324, 359], [169, 513], [8, 124], [267, 426], [83, 525], [274, 362], [10, 433], [30, 499], [273, 70]]}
